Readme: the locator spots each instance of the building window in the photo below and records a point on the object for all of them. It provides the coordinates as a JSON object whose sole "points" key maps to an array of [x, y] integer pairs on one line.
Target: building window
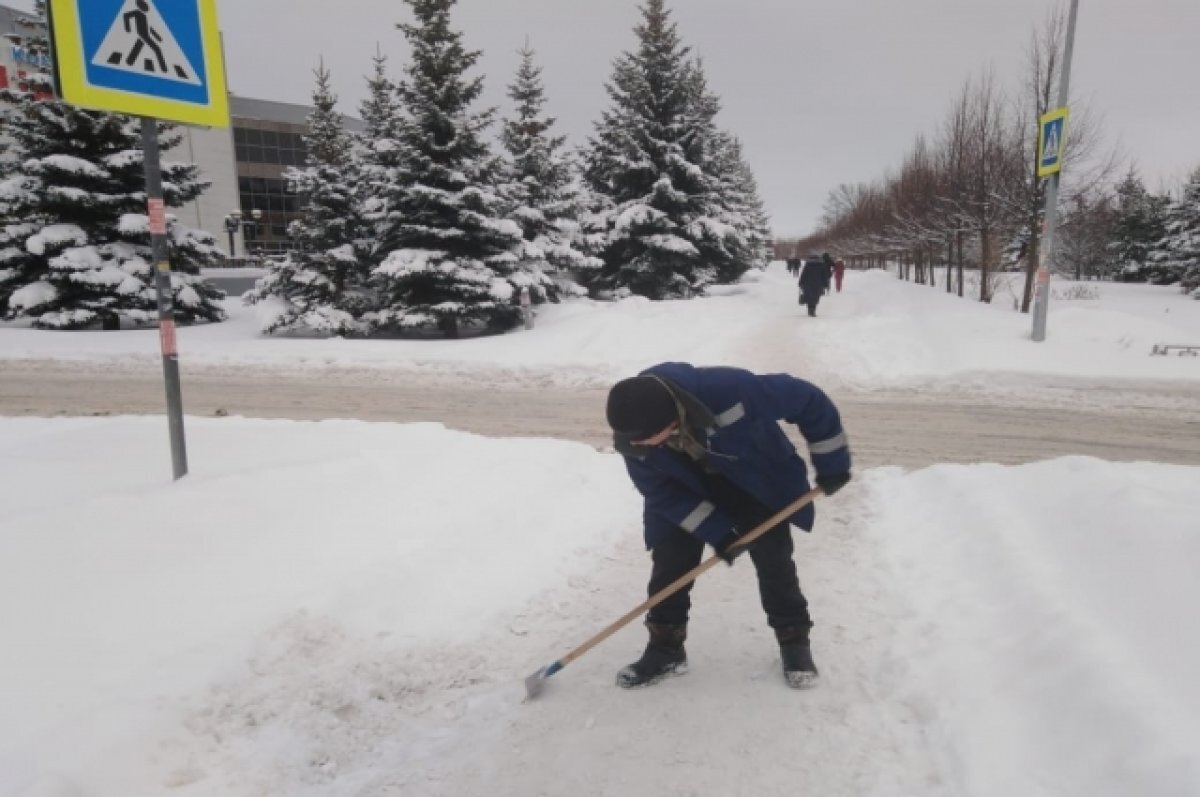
{"points": [[268, 194], [269, 146], [279, 208]]}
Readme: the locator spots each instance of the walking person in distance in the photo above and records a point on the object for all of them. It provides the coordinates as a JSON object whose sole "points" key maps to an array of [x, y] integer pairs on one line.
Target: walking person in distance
{"points": [[814, 281]]}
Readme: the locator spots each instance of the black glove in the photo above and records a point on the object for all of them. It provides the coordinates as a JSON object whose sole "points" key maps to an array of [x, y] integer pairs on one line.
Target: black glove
{"points": [[725, 548], [833, 482]]}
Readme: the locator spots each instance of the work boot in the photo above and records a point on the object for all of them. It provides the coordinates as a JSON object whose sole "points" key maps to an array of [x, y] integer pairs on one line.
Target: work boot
{"points": [[798, 668], [664, 656]]}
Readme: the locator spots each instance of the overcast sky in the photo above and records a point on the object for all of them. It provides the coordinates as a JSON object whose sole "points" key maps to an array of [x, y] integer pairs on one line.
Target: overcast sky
{"points": [[821, 92]]}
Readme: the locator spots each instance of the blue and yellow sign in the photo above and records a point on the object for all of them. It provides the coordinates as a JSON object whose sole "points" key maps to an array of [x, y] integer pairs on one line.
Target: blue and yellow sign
{"points": [[1052, 142], [158, 58]]}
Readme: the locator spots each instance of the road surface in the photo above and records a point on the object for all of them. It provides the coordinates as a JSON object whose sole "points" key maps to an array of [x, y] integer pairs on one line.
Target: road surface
{"points": [[908, 430]]}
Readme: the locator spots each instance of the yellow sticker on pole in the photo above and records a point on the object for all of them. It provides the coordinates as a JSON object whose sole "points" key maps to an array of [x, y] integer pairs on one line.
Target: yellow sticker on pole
{"points": [[154, 58]]}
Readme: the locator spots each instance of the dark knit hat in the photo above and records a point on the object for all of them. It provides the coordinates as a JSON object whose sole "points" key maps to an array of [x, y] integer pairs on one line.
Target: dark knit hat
{"points": [[640, 407]]}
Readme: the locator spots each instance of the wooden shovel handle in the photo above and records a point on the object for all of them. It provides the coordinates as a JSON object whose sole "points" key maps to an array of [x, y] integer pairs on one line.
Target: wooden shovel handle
{"points": [[692, 575]]}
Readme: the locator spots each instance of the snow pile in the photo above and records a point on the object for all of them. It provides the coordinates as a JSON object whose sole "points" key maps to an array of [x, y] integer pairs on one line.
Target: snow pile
{"points": [[885, 332], [345, 608], [412, 541], [1051, 635]]}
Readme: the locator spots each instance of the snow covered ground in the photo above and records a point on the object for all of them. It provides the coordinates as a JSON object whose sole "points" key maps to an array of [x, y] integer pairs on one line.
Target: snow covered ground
{"points": [[879, 332], [897, 334], [347, 609], [343, 608]]}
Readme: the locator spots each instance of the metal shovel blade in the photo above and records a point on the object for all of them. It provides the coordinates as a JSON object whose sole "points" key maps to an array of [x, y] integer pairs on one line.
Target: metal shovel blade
{"points": [[535, 683]]}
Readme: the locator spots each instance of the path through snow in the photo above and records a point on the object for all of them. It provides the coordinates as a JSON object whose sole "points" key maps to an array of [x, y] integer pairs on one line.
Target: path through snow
{"points": [[318, 708]]}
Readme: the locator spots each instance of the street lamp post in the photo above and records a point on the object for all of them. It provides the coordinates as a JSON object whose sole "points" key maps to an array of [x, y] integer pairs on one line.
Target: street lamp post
{"points": [[252, 224], [234, 221]]}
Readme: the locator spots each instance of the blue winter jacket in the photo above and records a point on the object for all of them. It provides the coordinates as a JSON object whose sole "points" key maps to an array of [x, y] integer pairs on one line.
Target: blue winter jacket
{"points": [[745, 444]]}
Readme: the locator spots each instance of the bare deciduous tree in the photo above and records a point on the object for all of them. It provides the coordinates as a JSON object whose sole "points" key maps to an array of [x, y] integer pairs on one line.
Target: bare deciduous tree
{"points": [[973, 193]]}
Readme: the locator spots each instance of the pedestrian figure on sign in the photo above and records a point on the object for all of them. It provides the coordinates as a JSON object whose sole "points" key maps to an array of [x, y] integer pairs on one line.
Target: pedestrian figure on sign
{"points": [[704, 448], [147, 37]]}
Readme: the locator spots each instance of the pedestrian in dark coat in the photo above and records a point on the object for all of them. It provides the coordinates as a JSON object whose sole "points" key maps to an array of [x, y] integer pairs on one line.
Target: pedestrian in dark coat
{"points": [[814, 281], [704, 448]]}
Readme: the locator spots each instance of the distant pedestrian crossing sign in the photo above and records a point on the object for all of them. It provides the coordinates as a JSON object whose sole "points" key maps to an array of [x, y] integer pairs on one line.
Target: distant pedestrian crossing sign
{"points": [[157, 58], [1052, 142]]}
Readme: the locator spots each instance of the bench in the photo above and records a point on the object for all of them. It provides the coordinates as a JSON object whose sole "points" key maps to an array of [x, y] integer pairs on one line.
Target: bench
{"points": [[1165, 348]]}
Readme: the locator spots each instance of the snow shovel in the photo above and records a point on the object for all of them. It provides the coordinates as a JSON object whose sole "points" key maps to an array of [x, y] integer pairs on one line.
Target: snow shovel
{"points": [[535, 683]]}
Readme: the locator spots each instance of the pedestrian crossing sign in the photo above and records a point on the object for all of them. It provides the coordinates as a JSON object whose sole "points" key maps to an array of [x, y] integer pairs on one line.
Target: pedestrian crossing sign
{"points": [[1052, 142], [156, 58]]}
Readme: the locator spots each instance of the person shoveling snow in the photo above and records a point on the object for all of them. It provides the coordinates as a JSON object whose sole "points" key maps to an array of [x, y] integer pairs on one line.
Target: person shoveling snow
{"points": [[704, 448]]}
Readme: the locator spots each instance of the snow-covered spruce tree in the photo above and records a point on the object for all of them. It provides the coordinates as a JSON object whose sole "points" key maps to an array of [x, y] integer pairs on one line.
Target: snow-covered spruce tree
{"points": [[320, 283], [446, 256], [755, 221], [380, 111], [718, 231], [652, 158], [1140, 225], [377, 151], [541, 192], [741, 207], [758, 233], [1177, 253], [75, 245]]}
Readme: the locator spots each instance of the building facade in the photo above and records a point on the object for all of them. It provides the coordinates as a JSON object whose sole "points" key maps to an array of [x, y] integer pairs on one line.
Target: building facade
{"points": [[17, 60], [211, 149], [268, 138], [246, 164], [248, 205]]}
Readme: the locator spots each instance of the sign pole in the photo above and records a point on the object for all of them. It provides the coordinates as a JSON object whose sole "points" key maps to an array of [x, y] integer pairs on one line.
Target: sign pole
{"points": [[153, 59], [1041, 302], [156, 211]]}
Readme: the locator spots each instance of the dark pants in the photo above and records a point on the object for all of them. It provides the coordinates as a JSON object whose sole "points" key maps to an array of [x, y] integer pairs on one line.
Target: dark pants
{"points": [[810, 297], [778, 585]]}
